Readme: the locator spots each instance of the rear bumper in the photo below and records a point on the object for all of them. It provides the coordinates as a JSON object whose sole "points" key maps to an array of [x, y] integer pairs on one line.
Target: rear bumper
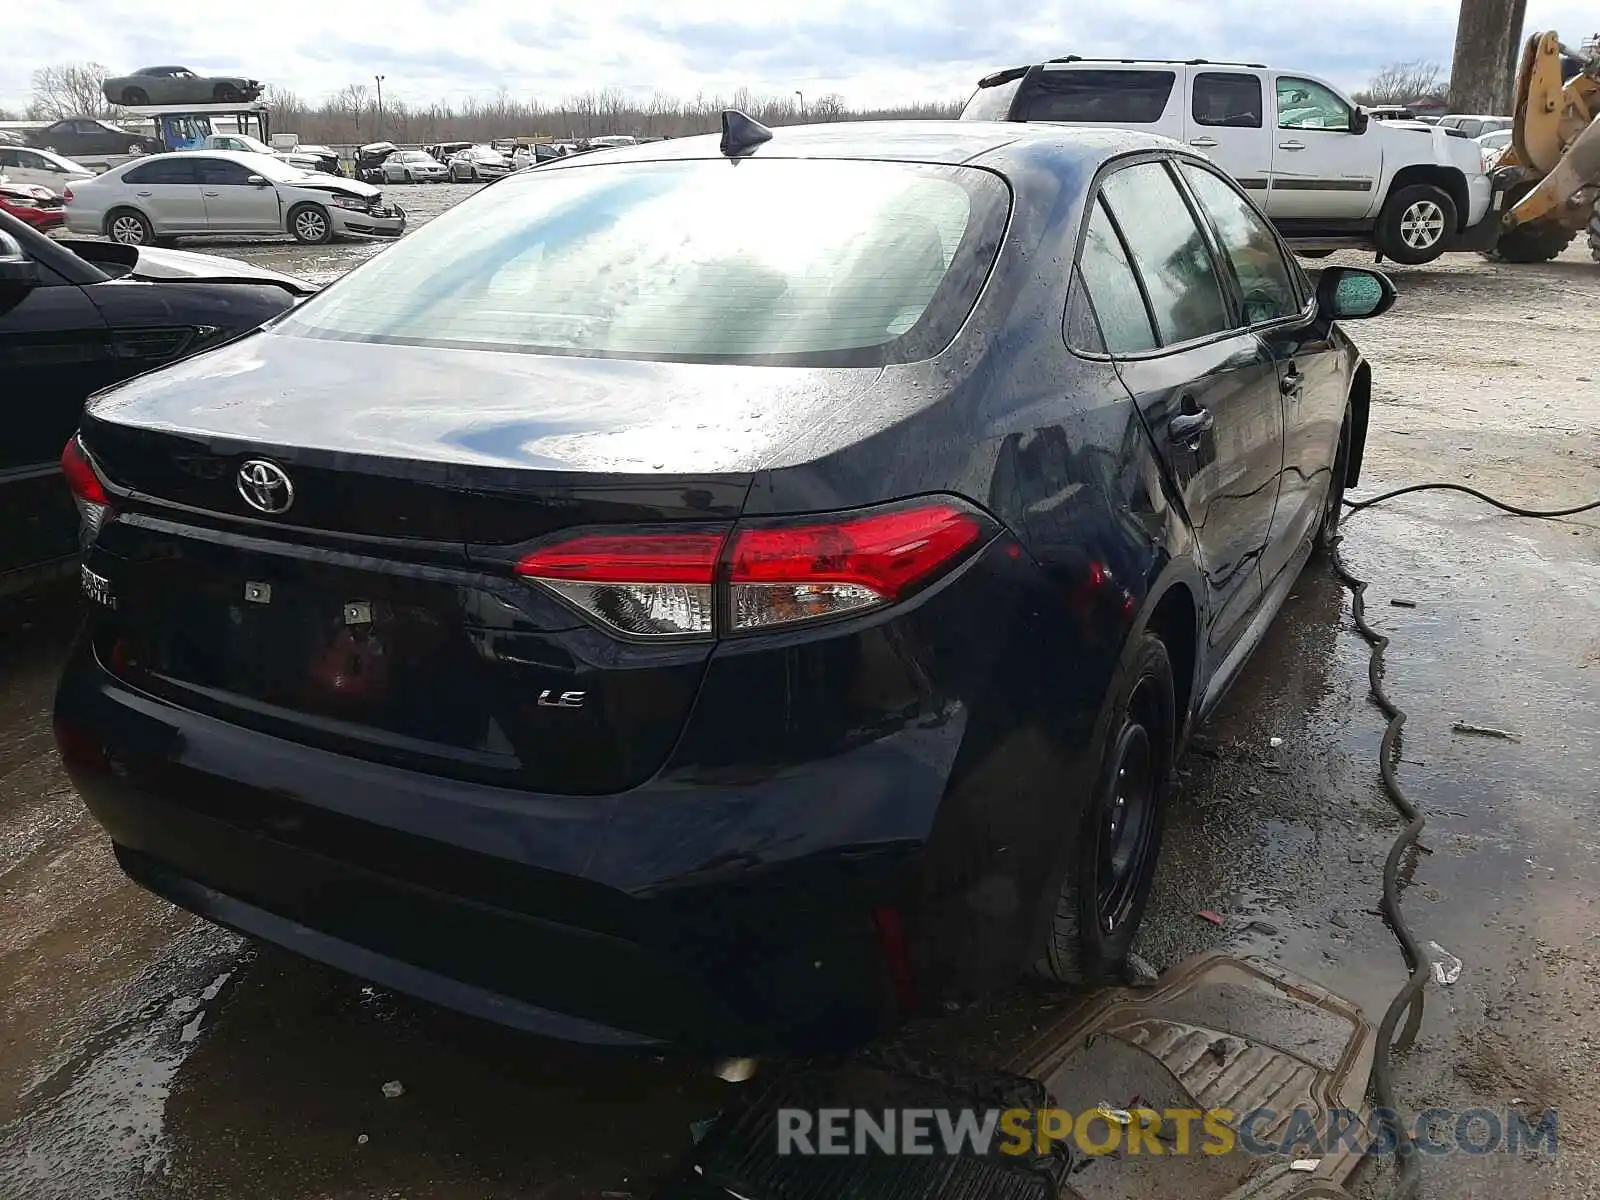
{"points": [[610, 920]]}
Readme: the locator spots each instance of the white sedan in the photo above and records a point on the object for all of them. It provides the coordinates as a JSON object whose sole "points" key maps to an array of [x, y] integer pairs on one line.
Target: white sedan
{"points": [[197, 193], [413, 166], [42, 168]]}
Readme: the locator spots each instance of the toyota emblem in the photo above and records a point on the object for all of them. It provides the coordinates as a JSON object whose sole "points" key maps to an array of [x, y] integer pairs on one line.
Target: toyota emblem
{"points": [[265, 486]]}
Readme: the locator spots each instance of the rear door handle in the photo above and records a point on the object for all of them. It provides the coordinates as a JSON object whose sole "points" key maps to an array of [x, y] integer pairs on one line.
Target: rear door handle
{"points": [[1186, 428], [213, 193], [1205, 143], [1291, 145], [144, 193]]}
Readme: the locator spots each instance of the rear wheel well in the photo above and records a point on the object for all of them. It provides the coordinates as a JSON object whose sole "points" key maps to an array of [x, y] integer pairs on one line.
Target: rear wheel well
{"points": [[1449, 180], [1174, 623]]}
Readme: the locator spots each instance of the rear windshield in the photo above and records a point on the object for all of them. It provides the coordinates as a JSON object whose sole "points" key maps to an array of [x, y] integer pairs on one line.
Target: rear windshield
{"points": [[1114, 97], [802, 262]]}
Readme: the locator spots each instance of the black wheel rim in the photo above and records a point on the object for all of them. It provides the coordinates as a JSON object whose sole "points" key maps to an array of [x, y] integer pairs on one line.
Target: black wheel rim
{"points": [[1128, 815]]}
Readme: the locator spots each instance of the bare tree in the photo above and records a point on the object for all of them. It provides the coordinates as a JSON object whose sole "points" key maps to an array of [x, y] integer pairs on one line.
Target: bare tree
{"points": [[827, 108], [1484, 69], [70, 90], [350, 115], [1400, 82]]}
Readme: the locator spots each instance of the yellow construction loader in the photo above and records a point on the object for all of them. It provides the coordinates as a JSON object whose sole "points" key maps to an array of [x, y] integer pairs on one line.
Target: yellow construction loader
{"points": [[1550, 172]]}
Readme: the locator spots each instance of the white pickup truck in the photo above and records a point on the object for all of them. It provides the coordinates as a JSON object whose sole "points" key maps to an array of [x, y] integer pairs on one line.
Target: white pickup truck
{"points": [[1316, 163]]}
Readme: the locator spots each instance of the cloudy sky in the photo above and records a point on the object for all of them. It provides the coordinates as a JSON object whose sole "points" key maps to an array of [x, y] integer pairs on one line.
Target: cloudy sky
{"points": [[870, 51]]}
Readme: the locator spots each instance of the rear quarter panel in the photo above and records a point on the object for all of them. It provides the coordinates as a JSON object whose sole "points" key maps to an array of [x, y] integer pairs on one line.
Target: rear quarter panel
{"points": [[1053, 446]]}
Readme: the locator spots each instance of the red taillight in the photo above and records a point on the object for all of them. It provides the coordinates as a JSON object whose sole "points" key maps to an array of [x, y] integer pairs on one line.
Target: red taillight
{"points": [[88, 493], [665, 584], [85, 484], [643, 584], [798, 572], [66, 196]]}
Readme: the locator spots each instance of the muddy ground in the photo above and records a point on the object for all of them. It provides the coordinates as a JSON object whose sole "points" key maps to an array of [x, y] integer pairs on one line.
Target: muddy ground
{"points": [[146, 1054]]}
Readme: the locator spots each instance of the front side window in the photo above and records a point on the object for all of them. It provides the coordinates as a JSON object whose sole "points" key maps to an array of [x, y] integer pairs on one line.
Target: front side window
{"points": [[223, 171], [1303, 104], [1107, 97], [10, 158], [1107, 274], [1227, 98], [1258, 263], [812, 262], [1170, 253]]}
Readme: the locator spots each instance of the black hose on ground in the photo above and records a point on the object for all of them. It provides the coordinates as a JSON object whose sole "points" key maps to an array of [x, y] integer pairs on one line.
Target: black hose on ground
{"points": [[1409, 997], [1408, 1000], [1542, 514]]}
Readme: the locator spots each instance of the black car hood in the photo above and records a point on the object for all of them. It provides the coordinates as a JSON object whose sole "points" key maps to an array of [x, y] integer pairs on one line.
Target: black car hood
{"points": [[482, 408]]}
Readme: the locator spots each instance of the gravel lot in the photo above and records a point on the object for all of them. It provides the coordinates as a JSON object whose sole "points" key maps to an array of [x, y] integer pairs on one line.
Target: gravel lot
{"points": [[144, 1053]]}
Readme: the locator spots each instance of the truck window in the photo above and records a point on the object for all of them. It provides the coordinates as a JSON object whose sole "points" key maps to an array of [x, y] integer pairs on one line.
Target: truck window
{"points": [[992, 103], [1227, 98], [1108, 97], [1303, 104], [1169, 252]]}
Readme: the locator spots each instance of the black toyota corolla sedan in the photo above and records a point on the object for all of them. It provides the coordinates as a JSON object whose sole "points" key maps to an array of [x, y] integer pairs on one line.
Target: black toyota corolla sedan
{"points": [[731, 592]]}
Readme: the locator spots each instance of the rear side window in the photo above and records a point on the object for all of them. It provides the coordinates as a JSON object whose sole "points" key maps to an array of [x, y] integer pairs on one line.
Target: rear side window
{"points": [[1169, 252], [1108, 276], [170, 170], [1227, 98], [992, 103], [1112, 97], [810, 262]]}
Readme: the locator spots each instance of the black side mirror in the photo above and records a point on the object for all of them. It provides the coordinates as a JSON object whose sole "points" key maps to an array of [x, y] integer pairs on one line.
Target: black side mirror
{"points": [[1354, 293], [1359, 121], [16, 272]]}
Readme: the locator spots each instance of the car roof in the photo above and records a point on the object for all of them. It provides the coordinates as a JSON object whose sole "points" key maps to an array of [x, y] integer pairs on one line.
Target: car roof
{"points": [[155, 70], [247, 157], [951, 142]]}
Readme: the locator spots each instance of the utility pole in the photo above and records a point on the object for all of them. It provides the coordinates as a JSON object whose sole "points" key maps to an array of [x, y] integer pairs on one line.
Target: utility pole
{"points": [[802, 98], [1483, 71], [379, 136]]}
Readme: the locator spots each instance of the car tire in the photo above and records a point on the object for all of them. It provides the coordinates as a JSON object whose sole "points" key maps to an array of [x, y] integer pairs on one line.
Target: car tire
{"points": [[1326, 538], [129, 227], [226, 93], [310, 224], [1594, 233], [1313, 253], [1118, 838], [135, 96], [1415, 224]]}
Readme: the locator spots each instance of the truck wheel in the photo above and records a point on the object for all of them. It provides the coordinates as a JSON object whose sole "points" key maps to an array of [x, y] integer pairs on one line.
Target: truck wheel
{"points": [[128, 227], [310, 224], [1415, 223], [1536, 242], [1115, 847]]}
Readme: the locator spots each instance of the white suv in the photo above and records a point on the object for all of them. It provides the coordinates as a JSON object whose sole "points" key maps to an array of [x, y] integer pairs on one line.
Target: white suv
{"points": [[1312, 158]]}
